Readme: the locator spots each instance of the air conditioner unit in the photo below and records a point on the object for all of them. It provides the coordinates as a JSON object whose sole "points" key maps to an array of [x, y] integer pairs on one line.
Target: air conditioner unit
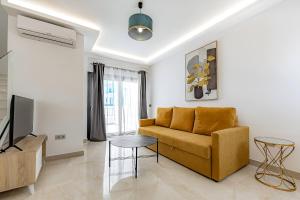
{"points": [[43, 31]]}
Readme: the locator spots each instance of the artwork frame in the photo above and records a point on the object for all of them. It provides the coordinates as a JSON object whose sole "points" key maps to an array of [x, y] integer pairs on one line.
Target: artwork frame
{"points": [[201, 78]]}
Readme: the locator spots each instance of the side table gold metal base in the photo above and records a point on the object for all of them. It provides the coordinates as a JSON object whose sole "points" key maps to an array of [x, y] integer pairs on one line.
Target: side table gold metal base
{"points": [[284, 149]]}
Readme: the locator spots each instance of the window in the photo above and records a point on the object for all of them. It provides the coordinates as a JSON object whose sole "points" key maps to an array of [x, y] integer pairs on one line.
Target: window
{"points": [[120, 101]]}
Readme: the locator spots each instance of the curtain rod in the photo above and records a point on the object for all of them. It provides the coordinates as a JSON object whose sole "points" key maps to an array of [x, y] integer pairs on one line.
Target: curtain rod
{"points": [[133, 70], [136, 67]]}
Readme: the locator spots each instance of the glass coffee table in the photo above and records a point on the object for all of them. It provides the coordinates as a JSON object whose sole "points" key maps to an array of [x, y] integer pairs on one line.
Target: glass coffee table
{"points": [[275, 152], [134, 142]]}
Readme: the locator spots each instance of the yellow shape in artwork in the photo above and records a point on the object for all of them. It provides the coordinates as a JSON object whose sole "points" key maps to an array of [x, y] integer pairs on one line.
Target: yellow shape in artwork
{"points": [[211, 58]]}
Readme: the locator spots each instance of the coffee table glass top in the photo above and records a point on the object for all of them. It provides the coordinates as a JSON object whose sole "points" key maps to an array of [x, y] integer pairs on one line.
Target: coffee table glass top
{"points": [[132, 141], [274, 141]]}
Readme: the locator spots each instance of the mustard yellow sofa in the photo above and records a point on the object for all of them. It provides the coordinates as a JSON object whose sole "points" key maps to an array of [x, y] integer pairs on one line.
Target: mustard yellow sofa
{"points": [[206, 140]]}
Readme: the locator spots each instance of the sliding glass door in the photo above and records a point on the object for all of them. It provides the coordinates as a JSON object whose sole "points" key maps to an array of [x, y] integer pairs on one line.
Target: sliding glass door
{"points": [[121, 105], [111, 106]]}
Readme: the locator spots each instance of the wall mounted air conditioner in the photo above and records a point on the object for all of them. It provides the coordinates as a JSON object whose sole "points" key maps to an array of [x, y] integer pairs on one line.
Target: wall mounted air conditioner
{"points": [[43, 31]]}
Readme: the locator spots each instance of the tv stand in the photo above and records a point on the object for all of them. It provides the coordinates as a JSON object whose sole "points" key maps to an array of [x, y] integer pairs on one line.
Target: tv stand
{"points": [[22, 168], [33, 135], [15, 146], [3, 131]]}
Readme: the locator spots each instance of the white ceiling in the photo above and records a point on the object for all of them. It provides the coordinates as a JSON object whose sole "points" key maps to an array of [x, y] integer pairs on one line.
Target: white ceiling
{"points": [[172, 20]]}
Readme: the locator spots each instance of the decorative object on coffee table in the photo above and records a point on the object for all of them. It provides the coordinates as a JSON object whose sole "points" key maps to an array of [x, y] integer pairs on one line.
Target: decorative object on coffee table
{"points": [[201, 73], [134, 142], [275, 152]]}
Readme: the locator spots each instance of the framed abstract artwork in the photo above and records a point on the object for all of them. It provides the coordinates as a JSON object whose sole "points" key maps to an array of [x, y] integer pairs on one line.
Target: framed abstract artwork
{"points": [[201, 73]]}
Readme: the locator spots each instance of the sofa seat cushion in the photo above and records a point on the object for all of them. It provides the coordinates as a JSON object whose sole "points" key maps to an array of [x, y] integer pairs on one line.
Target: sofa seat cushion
{"points": [[199, 145]]}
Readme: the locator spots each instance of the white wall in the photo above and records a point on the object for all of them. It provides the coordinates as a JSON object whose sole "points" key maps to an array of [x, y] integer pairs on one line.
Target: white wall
{"points": [[258, 73], [3, 31], [54, 77]]}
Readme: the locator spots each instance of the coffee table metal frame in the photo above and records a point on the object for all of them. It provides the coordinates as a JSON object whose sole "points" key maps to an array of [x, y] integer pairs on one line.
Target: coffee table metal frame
{"points": [[110, 142], [284, 149]]}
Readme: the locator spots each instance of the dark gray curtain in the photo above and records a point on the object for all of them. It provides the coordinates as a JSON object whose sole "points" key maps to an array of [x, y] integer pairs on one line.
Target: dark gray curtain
{"points": [[143, 96], [95, 116]]}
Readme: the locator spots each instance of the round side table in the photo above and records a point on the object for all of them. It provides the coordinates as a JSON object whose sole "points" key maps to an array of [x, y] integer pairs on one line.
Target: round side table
{"points": [[275, 152]]}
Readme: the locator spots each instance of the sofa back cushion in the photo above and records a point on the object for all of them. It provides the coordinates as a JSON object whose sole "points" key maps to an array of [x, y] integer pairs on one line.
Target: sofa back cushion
{"points": [[183, 119], [164, 117], [208, 120]]}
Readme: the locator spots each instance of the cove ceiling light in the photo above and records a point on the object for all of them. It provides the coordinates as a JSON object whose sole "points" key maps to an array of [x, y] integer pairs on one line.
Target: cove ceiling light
{"points": [[117, 53], [53, 13], [193, 33], [202, 28]]}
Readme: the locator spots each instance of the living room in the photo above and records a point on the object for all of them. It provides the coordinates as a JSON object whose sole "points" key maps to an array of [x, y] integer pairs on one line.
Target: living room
{"points": [[149, 99]]}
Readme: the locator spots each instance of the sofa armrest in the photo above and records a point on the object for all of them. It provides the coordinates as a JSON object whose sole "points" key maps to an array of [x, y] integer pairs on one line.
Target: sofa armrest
{"points": [[146, 122], [230, 151]]}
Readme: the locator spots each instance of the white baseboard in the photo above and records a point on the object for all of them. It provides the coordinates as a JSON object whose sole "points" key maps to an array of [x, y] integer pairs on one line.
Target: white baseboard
{"points": [[66, 155]]}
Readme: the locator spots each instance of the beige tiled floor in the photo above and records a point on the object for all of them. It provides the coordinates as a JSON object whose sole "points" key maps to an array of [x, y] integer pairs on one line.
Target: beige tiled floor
{"points": [[87, 178]]}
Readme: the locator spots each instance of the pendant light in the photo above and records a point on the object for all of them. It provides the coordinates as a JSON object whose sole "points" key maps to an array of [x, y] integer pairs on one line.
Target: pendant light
{"points": [[140, 25]]}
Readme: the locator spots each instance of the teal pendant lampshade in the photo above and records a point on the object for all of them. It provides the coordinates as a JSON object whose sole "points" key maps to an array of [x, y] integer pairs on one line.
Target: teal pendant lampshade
{"points": [[140, 26]]}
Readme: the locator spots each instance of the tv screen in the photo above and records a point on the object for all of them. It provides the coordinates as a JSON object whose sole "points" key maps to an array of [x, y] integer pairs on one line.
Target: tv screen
{"points": [[21, 119]]}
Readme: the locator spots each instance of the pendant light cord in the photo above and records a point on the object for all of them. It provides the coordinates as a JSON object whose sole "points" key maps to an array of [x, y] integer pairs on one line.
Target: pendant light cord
{"points": [[140, 5]]}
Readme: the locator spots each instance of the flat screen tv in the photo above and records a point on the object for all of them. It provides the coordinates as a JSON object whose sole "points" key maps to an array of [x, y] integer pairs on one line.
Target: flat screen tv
{"points": [[21, 119]]}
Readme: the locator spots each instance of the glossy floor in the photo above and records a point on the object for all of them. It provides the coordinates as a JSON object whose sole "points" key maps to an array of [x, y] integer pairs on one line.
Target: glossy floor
{"points": [[87, 178]]}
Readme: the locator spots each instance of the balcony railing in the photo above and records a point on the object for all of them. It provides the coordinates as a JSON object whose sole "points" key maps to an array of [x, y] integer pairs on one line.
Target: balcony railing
{"points": [[110, 116]]}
